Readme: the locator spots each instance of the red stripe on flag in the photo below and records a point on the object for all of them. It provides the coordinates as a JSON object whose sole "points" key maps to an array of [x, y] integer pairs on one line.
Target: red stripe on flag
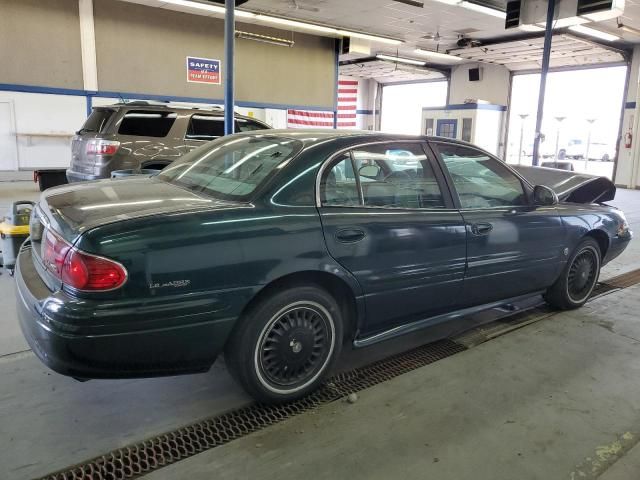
{"points": [[316, 123], [346, 124], [347, 99], [348, 90], [347, 82], [346, 115], [346, 107], [304, 113]]}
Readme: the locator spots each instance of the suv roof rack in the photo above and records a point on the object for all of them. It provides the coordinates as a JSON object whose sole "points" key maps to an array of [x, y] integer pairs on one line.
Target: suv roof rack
{"points": [[154, 103]]}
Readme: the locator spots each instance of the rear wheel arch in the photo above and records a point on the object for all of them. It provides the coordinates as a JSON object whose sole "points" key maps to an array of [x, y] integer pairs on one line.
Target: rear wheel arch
{"points": [[338, 288]]}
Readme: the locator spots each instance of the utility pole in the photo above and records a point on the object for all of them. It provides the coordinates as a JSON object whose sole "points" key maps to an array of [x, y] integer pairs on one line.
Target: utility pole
{"points": [[522, 116]]}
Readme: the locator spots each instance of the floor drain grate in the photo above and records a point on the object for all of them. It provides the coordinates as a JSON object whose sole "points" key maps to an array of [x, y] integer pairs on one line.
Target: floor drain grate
{"points": [[144, 457], [624, 280]]}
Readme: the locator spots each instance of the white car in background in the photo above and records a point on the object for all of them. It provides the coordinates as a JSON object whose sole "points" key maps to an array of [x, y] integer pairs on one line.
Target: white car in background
{"points": [[599, 151]]}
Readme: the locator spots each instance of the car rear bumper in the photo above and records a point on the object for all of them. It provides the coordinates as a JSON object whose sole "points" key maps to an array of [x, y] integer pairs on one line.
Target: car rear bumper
{"points": [[82, 177], [617, 246], [185, 344]]}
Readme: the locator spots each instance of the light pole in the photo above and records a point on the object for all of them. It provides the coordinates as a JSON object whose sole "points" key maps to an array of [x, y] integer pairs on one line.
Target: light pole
{"points": [[523, 116], [586, 154], [559, 120]]}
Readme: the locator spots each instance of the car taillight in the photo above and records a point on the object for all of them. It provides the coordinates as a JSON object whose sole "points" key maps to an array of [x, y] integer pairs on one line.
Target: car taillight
{"points": [[102, 147], [81, 270]]}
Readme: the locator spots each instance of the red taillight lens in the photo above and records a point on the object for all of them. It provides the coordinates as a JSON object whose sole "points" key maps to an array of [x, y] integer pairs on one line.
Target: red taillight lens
{"points": [[54, 251], [102, 147], [87, 272], [81, 270]]}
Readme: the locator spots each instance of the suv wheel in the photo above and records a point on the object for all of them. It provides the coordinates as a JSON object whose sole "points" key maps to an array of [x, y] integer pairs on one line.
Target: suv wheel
{"points": [[286, 344]]}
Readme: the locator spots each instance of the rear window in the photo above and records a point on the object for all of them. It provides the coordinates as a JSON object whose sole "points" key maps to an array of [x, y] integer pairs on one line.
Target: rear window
{"points": [[249, 125], [147, 123], [205, 127], [231, 168], [97, 121]]}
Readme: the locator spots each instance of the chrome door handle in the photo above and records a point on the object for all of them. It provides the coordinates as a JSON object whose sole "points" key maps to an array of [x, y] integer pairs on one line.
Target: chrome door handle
{"points": [[350, 235], [481, 228]]}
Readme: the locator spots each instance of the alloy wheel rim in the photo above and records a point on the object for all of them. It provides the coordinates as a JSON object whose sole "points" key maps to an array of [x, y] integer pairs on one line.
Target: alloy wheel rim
{"points": [[582, 275], [295, 346]]}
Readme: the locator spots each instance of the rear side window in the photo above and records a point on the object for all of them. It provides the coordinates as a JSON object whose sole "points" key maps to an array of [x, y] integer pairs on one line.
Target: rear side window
{"points": [[248, 125], [205, 127], [97, 121], [142, 123]]}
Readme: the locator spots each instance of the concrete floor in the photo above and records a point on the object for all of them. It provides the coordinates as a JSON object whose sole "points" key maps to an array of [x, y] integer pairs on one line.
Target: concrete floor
{"points": [[547, 401]]}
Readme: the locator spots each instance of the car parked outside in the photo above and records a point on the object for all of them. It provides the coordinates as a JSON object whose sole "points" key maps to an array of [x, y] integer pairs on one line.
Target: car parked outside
{"points": [[144, 135], [279, 247]]}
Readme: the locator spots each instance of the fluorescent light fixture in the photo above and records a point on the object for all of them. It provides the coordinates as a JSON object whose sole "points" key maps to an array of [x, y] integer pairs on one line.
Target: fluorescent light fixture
{"points": [[565, 22], [282, 21], [438, 55], [530, 28], [391, 58], [592, 32], [483, 9], [281, 42]]}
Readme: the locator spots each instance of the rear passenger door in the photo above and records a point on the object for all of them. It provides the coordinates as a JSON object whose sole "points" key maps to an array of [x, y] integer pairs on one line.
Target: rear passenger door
{"points": [[513, 247], [389, 220]]}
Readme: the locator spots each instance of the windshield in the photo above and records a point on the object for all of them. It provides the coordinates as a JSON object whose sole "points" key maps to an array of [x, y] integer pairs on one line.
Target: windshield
{"points": [[231, 168]]}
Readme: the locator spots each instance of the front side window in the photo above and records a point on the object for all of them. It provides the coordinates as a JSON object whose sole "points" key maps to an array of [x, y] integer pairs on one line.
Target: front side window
{"points": [[205, 127], [231, 168], [386, 175], [142, 123], [481, 181]]}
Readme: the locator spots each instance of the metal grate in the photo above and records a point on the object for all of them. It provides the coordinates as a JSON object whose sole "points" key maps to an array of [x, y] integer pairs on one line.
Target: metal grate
{"points": [[624, 280], [144, 457]]}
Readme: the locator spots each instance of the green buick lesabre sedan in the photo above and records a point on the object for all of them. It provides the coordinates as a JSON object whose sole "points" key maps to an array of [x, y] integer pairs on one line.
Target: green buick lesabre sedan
{"points": [[279, 248]]}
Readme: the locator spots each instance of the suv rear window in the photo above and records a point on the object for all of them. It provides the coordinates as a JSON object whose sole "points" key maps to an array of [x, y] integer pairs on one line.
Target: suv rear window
{"points": [[248, 125], [205, 127], [142, 123], [96, 121]]}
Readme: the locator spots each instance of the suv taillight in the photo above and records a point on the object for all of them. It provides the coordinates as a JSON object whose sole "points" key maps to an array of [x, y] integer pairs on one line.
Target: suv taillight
{"points": [[81, 270], [102, 147]]}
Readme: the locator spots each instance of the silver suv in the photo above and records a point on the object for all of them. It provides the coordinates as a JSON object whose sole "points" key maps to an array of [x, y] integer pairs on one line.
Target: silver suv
{"points": [[141, 134]]}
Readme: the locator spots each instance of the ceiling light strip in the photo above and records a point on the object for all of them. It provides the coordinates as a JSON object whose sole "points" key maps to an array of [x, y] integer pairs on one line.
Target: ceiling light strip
{"points": [[437, 55], [259, 17], [408, 61], [592, 32]]}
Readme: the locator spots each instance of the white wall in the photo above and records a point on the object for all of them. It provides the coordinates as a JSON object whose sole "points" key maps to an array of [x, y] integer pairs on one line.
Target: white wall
{"points": [[44, 125], [493, 86]]}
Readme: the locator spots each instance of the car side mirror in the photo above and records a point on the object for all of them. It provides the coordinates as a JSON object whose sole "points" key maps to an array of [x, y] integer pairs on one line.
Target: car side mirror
{"points": [[544, 196]]}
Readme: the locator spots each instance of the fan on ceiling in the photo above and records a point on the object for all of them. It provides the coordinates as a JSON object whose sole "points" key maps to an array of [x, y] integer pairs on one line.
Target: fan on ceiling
{"points": [[297, 5]]}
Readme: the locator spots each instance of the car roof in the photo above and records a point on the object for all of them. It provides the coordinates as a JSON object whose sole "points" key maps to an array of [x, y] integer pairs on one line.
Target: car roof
{"points": [[312, 136]]}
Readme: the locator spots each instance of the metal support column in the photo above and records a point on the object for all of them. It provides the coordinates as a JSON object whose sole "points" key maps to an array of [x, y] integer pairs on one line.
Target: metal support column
{"points": [[229, 43], [546, 54]]}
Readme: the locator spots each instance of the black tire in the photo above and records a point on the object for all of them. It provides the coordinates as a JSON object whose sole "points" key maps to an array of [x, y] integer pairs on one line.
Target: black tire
{"points": [[296, 330], [579, 277]]}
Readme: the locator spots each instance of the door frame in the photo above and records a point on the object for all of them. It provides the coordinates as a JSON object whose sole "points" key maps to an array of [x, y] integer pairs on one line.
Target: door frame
{"points": [[13, 132]]}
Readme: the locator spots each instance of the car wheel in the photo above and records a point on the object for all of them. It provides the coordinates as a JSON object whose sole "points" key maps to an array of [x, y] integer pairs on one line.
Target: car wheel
{"points": [[285, 345], [580, 275], [605, 157]]}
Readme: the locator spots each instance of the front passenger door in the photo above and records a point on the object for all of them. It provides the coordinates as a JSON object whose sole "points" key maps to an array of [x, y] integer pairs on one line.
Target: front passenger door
{"points": [[513, 247]]}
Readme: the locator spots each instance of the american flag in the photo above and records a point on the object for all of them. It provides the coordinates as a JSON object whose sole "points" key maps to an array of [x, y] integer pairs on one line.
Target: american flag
{"points": [[347, 101]]}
